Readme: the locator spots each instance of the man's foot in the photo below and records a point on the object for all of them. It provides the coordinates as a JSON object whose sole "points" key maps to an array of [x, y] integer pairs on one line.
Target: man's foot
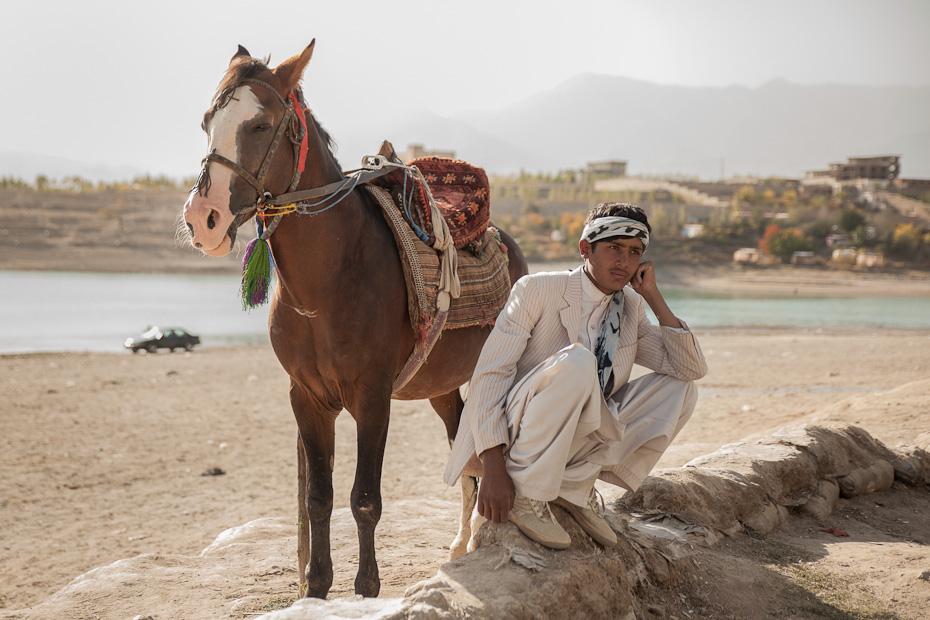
{"points": [[534, 519], [590, 519]]}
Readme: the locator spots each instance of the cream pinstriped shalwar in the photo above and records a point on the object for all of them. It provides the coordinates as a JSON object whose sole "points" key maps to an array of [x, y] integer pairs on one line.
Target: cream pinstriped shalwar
{"points": [[513, 391]]}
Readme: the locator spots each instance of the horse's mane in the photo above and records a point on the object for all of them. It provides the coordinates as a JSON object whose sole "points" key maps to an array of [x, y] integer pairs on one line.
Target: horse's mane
{"points": [[249, 69]]}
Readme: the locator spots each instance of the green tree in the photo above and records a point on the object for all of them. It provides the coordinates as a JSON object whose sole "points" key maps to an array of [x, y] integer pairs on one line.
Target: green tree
{"points": [[850, 220]]}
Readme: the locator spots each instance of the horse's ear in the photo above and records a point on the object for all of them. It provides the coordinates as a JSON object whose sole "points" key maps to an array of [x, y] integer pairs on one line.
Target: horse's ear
{"points": [[239, 54], [290, 70]]}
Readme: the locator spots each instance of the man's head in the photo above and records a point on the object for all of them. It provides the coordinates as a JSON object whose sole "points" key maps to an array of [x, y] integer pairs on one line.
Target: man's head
{"points": [[614, 238]]}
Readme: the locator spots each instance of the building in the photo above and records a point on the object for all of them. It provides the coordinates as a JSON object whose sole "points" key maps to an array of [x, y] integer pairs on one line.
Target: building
{"points": [[418, 151], [868, 259], [692, 231], [882, 167], [804, 258], [611, 169], [746, 256]]}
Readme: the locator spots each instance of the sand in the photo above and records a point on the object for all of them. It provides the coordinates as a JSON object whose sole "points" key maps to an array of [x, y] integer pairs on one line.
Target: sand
{"points": [[104, 454]]}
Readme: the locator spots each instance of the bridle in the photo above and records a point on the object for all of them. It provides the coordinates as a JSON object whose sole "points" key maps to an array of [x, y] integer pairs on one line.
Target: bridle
{"points": [[294, 123]]}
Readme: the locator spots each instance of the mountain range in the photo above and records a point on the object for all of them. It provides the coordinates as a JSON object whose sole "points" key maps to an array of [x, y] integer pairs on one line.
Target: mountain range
{"points": [[777, 129]]}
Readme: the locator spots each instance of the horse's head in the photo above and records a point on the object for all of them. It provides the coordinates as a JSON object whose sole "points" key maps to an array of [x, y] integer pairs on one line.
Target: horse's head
{"points": [[250, 118]]}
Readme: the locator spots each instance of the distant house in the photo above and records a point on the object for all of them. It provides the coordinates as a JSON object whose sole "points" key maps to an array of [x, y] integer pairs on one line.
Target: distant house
{"points": [[869, 259], [846, 256], [803, 258], [882, 167], [691, 231], [746, 256], [840, 241], [417, 151], [606, 169]]}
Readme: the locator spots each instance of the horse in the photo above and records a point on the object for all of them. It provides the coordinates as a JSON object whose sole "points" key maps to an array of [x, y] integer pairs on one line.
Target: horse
{"points": [[338, 322]]}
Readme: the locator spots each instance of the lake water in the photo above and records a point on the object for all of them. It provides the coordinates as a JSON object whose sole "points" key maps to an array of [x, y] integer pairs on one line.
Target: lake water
{"points": [[44, 311]]}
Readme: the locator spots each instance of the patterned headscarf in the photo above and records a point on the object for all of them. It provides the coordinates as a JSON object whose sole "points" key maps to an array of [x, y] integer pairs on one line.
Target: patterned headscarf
{"points": [[609, 227]]}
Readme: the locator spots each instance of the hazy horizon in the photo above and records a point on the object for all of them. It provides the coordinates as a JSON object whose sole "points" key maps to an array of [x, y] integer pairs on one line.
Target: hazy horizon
{"points": [[119, 85]]}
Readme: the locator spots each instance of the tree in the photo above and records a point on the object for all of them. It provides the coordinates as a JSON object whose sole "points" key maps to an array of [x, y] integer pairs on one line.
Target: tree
{"points": [[850, 220], [905, 240], [784, 242]]}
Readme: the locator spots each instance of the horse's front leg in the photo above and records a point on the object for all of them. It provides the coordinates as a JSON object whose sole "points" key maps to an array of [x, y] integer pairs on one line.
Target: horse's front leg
{"points": [[317, 434], [372, 421]]}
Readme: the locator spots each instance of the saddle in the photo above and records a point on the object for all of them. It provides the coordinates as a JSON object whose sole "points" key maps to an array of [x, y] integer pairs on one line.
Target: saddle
{"points": [[460, 191], [461, 195]]}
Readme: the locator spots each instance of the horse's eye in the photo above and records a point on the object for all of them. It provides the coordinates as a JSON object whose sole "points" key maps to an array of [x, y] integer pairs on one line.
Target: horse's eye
{"points": [[261, 128]]}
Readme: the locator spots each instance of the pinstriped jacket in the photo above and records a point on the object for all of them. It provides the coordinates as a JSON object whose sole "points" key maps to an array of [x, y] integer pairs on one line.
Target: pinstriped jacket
{"points": [[542, 316]]}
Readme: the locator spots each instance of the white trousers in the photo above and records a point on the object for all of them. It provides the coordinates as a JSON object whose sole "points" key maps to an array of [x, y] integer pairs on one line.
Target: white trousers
{"points": [[563, 434]]}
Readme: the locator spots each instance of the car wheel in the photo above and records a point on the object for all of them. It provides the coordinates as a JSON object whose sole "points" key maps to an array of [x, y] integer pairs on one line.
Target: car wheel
{"points": [[188, 347], [151, 348], [134, 349]]}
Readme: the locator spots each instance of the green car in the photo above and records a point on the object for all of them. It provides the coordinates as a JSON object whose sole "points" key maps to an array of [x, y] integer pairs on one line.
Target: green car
{"points": [[155, 338]]}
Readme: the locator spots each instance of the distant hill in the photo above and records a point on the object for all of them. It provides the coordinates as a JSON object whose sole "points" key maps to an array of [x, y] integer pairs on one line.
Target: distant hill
{"points": [[778, 129], [27, 166]]}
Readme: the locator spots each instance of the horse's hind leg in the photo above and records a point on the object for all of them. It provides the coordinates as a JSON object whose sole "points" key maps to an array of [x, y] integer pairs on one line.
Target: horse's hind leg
{"points": [[317, 434], [449, 407], [371, 419]]}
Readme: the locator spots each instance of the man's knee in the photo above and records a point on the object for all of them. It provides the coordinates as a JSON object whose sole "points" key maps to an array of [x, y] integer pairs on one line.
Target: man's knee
{"points": [[575, 363]]}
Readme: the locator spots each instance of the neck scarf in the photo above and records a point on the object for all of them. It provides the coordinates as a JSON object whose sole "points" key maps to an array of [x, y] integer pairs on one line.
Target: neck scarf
{"points": [[606, 344]]}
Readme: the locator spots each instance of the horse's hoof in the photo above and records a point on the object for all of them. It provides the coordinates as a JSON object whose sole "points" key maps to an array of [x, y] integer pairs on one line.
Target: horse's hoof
{"points": [[367, 586], [317, 586]]}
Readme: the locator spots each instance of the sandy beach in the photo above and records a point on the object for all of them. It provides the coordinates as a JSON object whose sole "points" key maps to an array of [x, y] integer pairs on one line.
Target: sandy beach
{"points": [[104, 454]]}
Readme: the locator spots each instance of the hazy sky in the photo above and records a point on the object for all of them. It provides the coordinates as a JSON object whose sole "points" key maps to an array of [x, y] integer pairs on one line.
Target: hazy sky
{"points": [[126, 83]]}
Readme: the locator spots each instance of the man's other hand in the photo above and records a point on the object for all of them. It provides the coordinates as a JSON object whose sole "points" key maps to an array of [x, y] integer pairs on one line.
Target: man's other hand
{"points": [[495, 492]]}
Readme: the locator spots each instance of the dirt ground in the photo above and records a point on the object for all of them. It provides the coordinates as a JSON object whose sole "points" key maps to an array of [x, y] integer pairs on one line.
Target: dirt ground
{"points": [[104, 457]]}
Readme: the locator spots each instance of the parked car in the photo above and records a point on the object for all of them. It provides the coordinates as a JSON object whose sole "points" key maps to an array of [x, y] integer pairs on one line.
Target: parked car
{"points": [[155, 338]]}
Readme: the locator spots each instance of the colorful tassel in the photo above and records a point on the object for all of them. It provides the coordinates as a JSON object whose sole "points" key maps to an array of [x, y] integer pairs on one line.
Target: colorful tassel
{"points": [[257, 266]]}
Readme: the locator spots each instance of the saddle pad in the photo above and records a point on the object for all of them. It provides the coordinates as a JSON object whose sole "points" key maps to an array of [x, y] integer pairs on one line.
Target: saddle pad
{"points": [[483, 275]]}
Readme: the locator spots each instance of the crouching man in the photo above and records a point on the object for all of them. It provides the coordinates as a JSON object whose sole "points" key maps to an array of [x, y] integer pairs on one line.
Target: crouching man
{"points": [[551, 407]]}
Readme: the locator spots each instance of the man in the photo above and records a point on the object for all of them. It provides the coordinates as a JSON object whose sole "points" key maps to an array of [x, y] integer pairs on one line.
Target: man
{"points": [[550, 406]]}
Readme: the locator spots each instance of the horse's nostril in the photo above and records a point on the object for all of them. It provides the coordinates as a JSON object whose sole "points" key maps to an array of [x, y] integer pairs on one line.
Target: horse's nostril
{"points": [[198, 245], [211, 220], [190, 229]]}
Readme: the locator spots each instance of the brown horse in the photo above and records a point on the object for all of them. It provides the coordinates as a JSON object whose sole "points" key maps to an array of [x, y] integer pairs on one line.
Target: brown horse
{"points": [[339, 323]]}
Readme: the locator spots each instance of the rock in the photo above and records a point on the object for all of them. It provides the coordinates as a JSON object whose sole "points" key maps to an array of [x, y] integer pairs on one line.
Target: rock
{"points": [[879, 476], [821, 505], [786, 473]]}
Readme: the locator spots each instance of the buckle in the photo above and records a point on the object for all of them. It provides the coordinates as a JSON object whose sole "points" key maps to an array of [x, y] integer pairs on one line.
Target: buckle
{"points": [[261, 203], [373, 162]]}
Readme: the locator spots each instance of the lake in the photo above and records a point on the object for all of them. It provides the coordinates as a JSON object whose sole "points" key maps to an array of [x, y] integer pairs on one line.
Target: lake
{"points": [[52, 311]]}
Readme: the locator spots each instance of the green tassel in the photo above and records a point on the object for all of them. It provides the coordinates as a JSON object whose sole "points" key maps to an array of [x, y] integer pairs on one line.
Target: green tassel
{"points": [[256, 274]]}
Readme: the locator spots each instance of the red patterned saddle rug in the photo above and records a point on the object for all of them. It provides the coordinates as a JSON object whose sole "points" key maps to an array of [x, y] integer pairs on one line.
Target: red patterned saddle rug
{"points": [[462, 194], [460, 190]]}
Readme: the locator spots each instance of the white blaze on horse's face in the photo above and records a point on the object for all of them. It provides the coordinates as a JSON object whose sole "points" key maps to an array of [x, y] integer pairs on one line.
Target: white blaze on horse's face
{"points": [[209, 217]]}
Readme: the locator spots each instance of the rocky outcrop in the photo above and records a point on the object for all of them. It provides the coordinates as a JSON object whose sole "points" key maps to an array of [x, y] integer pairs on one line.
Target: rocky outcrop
{"points": [[673, 516], [751, 486]]}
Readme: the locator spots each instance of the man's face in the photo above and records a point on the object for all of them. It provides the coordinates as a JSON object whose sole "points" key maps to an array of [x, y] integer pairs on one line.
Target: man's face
{"points": [[612, 263]]}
